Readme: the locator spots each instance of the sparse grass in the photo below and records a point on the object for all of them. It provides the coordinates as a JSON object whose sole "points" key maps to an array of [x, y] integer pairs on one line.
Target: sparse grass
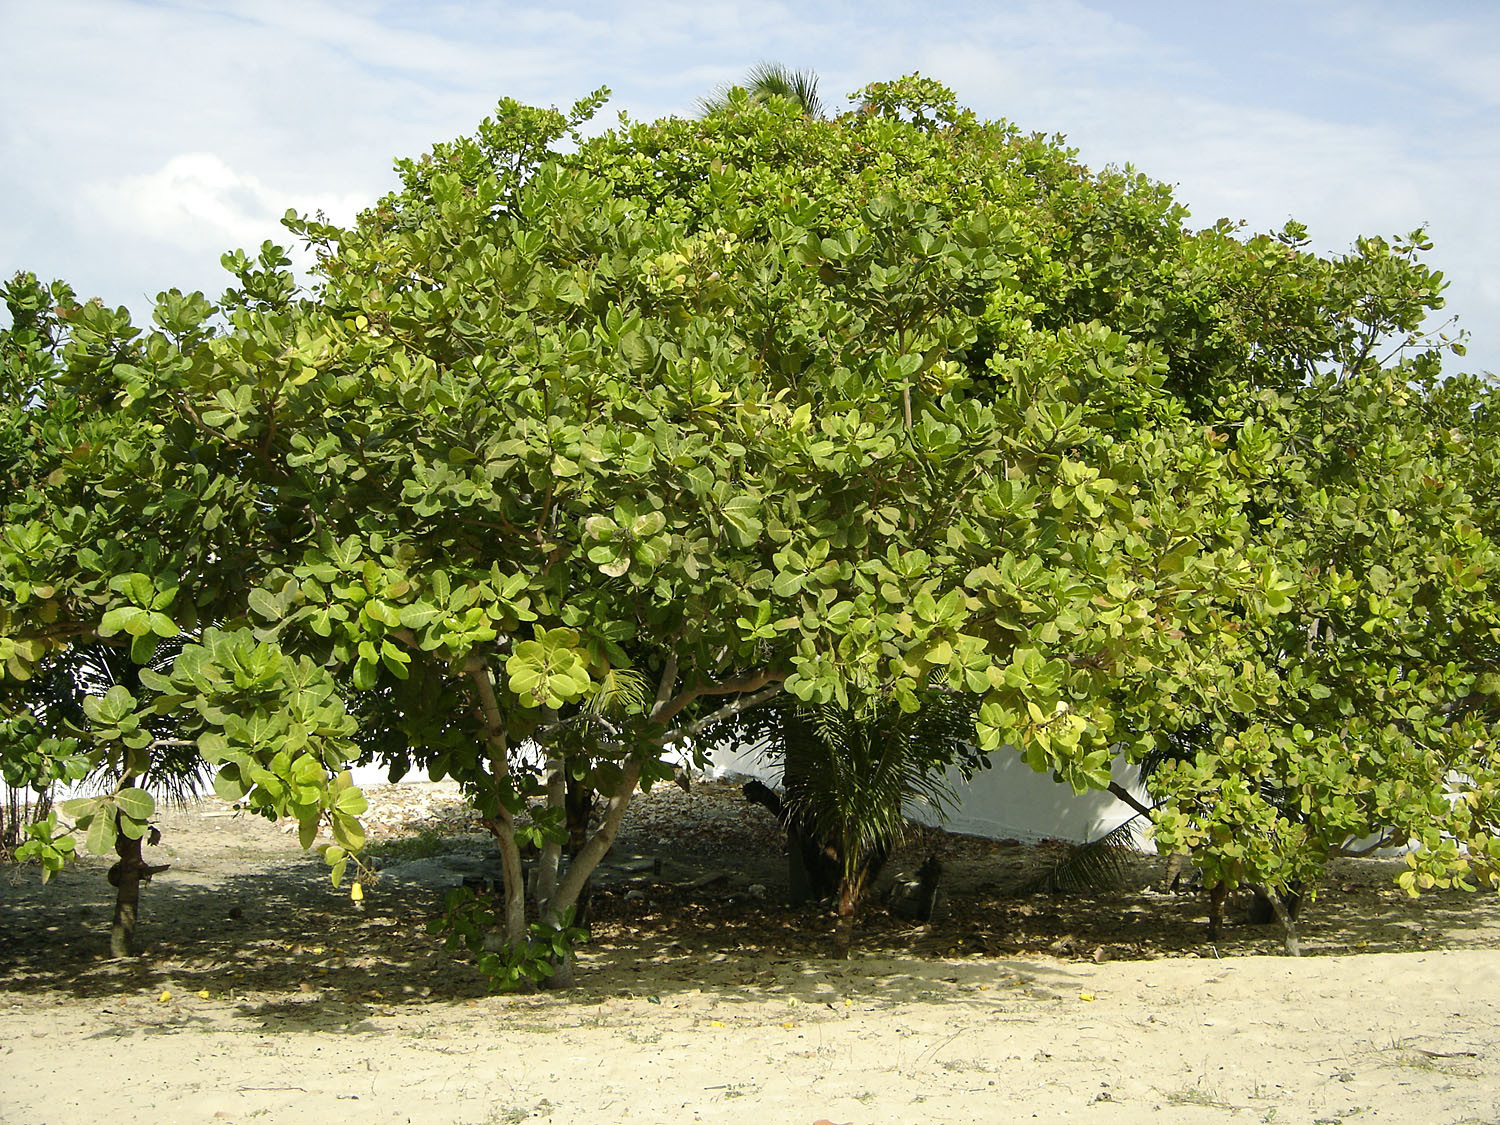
{"points": [[1196, 1095], [1457, 1065], [516, 1114], [733, 1089]]}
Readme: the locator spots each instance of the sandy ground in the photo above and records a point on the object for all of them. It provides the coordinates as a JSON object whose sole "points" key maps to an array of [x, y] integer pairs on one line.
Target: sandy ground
{"points": [[263, 995]]}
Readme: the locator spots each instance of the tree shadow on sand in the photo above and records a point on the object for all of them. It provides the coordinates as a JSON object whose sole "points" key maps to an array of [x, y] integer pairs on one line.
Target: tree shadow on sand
{"points": [[294, 954]]}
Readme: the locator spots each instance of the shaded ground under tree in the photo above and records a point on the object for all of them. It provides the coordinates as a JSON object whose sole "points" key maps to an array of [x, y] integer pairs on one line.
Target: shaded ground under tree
{"points": [[244, 911]]}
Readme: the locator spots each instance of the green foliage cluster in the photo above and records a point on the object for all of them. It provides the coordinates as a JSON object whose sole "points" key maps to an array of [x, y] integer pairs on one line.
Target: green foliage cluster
{"points": [[853, 408], [468, 921]]}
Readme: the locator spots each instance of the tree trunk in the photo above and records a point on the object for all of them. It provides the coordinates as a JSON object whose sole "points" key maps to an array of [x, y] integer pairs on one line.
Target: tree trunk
{"points": [[1262, 912], [843, 929], [1288, 923], [600, 842], [555, 779], [504, 832], [579, 801], [1217, 894], [503, 828], [581, 866], [562, 974], [126, 876]]}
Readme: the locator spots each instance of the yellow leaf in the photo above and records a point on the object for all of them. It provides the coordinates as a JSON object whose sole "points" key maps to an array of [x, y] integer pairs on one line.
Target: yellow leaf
{"points": [[1086, 996], [715, 1023], [789, 1023], [203, 994]]}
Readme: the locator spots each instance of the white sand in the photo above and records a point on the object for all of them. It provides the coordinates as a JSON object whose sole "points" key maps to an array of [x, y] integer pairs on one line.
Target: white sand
{"points": [[1411, 1038]]}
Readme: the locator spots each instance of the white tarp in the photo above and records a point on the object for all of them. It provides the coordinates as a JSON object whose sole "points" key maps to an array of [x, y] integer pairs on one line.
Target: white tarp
{"points": [[1009, 800]]}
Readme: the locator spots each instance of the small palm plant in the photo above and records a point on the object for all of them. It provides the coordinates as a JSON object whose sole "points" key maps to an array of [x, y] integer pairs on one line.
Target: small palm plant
{"points": [[850, 777]]}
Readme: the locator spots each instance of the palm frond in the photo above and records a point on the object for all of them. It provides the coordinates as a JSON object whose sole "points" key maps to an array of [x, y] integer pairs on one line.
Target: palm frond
{"points": [[621, 690], [176, 773], [766, 80], [769, 79], [853, 776], [1098, 865]]}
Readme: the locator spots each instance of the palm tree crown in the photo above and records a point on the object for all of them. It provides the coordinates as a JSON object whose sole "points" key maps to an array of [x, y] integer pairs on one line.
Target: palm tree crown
{"points": [[767, 80]]}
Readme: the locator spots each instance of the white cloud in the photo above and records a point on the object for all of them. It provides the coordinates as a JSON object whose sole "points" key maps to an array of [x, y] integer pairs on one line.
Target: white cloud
{"points": [[196, 199]]}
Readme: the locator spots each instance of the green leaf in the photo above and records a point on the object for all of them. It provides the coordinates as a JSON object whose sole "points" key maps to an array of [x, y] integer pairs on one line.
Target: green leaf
{"points": [[265, 604], [78, 807], [351, 801], [135, 803], [101, 832], [741, 516], [636, 350], [229, 785], [127, 619], [419, 615], [347, 831], [648, 524], [143, 648], [365, 675], [395, 660]]}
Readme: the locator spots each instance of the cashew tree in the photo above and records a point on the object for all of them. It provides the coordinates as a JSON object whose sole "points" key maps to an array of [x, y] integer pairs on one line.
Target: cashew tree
{"points": [[113, 545], [566, 457]]}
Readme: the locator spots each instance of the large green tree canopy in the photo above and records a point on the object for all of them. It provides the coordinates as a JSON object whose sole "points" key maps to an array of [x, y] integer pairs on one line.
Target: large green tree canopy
{"points": [[566, 455]]}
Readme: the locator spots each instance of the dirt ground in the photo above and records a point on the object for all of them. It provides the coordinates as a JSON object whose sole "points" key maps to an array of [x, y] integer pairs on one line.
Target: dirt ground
{"points": [[263, 994]]}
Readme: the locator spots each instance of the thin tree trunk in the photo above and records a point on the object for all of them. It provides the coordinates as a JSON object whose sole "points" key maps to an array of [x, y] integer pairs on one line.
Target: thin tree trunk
{"points": [[555, 779], [588, 857], [843, 929], [1217, 894], [504, 832], [582, 865], [562, 975], [1288, 922], [503, 828], [126, 876]]}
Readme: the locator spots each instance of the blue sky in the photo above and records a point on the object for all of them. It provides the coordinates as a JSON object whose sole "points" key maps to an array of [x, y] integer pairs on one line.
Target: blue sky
{"points": [[141, 140]]}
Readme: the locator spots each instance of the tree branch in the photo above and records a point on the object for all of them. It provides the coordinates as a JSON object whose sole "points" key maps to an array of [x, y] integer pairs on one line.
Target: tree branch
{"points": [[1381, 841], [581, 866], [1121, 793], [751, 681], [667, 686], [729, 710]]}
